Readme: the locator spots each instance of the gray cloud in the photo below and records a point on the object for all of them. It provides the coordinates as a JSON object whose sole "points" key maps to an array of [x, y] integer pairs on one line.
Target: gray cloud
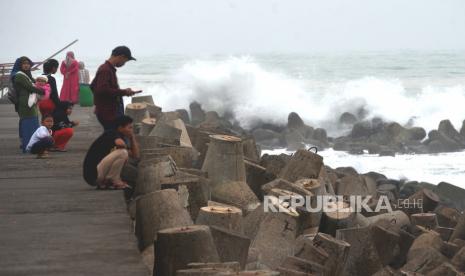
{"points": [[216, 26]]}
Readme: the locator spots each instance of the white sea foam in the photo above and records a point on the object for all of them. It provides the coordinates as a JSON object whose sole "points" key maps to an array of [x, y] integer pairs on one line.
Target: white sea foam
{"points": [[241, 86], [320, 88]]}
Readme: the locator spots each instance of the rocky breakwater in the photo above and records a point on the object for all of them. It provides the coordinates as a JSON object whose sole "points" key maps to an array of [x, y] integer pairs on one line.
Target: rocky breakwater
{"points": [[295, 135], [205, 202], [388, 138]]}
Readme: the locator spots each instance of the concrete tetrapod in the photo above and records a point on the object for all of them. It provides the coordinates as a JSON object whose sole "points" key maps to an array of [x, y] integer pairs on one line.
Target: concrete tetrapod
{"points": [[142, 99], [459, 232], [183, 156], [235, 193], [303, 164], [167, 134], [338, 216], [231, 246], [154, 111], [224, 160], [137, 111], [226, 217], [156, 211], [363, 257], [276, 237], [151, 174], [147, 126], [337, 250], [176, 247]]}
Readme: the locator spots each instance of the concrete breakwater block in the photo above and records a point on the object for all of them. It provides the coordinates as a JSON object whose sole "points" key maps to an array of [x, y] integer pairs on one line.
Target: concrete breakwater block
{"points": [[283, 184], [147, 126], [142, 99], [363, 257], [176, 247], [427, 220], [231, 246], [224, 160], [137, 111], [308, 251], [166, 133], [337, 250], [276, 237], [256, 177], [451, 194], [459, 232], [156, 211], [229, 218], [303, 164], [235, 193], [183, 156], [193, 190], [153, 173], [296, 264], [206, 269]]}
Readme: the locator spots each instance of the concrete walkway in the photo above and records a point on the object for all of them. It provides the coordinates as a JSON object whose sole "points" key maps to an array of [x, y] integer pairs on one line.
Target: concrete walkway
{"points": [[51, 221]]}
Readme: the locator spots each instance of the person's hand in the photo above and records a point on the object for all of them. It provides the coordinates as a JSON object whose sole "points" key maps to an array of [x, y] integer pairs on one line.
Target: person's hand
{"points": [[129, 92], [76, 123], [131, 134], [119, 143]]}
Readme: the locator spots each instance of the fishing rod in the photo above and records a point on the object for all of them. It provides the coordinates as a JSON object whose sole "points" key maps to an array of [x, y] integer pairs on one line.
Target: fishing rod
{"points": [[61, 50]]}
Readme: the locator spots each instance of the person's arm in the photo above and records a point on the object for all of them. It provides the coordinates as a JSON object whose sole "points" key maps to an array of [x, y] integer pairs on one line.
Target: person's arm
{"points": [[74, 67], [102, 85], [43, 132], [23, 82], [63, 68]]}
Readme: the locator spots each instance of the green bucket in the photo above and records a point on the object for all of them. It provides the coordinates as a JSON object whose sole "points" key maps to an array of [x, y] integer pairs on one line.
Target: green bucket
{"points": [[86, 98]]}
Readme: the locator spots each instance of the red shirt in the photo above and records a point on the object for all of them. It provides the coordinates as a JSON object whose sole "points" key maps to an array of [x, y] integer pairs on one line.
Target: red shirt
{"points": [[108, 97]]}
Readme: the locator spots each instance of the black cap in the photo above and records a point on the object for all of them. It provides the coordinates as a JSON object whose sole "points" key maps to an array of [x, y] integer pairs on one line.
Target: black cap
{"points": [[122, 51]]}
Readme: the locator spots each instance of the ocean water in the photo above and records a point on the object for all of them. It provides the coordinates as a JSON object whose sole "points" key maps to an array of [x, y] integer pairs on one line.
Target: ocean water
{"points": [[401, 86]]}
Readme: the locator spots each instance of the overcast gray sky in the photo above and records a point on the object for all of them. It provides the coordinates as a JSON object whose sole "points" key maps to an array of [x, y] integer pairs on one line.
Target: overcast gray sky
{"points": [[148, 27]]}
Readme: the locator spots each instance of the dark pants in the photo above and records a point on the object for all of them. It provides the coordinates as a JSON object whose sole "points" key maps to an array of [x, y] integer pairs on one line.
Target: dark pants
{"points": [[27, 127], [107, 125], [42, 145]]}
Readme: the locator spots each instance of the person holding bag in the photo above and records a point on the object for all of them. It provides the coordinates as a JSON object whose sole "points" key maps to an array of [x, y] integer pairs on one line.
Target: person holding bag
{"points": [[28, 115]]}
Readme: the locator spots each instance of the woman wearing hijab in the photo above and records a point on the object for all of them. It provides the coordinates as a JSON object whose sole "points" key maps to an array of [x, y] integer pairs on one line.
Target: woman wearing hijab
{"points": [[70, 70], [28, 115]]}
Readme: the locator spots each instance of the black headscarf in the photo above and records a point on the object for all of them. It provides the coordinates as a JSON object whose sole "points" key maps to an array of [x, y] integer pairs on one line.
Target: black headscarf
{"points": [[18, 67]]}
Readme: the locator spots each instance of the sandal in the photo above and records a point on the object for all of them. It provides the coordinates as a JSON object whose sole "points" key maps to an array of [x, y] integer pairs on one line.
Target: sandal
{"points": [[120, 186]]}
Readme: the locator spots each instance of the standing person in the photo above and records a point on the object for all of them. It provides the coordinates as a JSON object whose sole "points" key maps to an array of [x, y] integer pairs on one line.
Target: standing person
{"points": [[63, 126], [84, 78], [50, 68], [70, 70], [85, 93], [108, 97], [28, 115], [108, 154], [41, 141]]}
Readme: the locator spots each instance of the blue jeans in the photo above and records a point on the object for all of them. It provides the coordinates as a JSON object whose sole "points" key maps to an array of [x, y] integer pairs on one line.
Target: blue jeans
{"points": [[27, 127]]}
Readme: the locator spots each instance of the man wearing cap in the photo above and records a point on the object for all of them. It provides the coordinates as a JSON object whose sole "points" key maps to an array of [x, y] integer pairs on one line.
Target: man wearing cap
{"points": [[108, 97]]}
